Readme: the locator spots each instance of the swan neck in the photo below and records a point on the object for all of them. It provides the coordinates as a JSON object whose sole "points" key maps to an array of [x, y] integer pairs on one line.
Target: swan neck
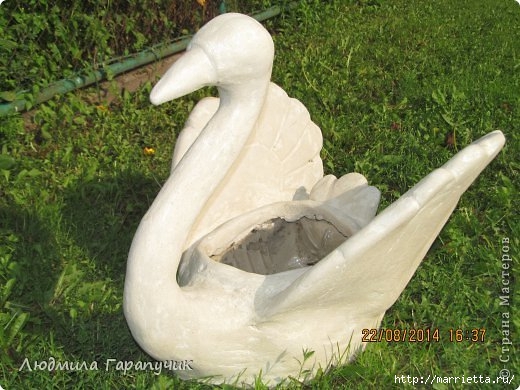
{"points": [[163, 233]]}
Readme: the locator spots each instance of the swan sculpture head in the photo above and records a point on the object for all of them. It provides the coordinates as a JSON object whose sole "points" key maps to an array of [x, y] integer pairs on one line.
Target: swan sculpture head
{"points": [[217, 57], [249, 255]]}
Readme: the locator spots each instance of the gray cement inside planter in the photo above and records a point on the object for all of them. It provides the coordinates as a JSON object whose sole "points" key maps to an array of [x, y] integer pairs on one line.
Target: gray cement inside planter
{"points": [[278, 245]]}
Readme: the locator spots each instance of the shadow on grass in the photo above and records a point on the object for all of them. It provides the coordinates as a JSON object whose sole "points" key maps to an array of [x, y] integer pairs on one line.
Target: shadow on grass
{"points": [[69, 267], [30, 261], [102, 216]]}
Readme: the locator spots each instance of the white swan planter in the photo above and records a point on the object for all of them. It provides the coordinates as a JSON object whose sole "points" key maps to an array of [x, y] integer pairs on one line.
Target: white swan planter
{"points": [[249, 256]]}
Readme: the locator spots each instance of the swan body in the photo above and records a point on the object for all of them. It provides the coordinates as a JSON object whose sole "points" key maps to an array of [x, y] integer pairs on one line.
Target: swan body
{"points": [[249, 256]]}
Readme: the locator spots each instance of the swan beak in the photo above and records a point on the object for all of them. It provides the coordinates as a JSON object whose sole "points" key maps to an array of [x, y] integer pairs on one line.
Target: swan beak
{"points": [[189, 73]]}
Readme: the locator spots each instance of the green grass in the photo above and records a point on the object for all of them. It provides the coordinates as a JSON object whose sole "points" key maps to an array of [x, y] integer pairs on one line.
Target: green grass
{"points": [[386, 82]]}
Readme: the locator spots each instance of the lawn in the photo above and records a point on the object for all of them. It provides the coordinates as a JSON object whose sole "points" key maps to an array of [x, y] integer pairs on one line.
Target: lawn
{"points": [[397, 87]]}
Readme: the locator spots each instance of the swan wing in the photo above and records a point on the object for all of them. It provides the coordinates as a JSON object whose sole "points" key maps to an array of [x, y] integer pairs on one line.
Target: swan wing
{"points": [[366, 274], [280, 162], [198, 119]]}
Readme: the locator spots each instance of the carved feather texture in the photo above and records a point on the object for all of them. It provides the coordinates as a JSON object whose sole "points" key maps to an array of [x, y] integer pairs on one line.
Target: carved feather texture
{"points": [[280, 162]]}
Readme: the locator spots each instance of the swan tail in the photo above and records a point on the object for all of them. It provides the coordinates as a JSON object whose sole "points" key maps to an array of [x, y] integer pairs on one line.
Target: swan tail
{"points": [[372, 268]]}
